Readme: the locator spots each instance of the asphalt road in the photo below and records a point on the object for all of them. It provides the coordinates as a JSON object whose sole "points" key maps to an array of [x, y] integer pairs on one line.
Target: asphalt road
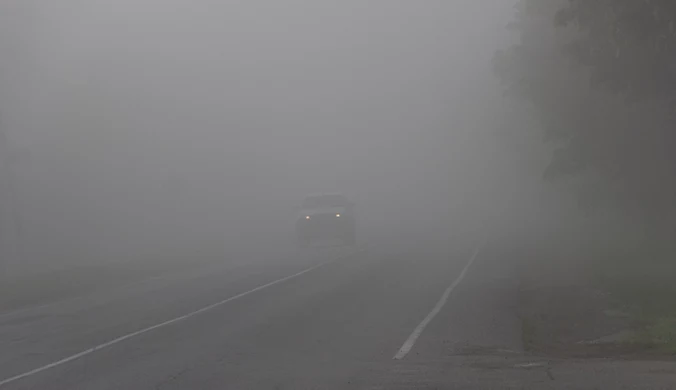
{"points": [[318, 319]]}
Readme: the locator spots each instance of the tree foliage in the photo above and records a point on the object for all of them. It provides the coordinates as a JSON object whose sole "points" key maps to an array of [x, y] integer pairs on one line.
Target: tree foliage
{"points": [[630, 45], [601, 77]]}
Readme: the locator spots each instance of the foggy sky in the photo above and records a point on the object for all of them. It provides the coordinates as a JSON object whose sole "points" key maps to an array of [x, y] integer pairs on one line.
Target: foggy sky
{"points": [[143, 123]]}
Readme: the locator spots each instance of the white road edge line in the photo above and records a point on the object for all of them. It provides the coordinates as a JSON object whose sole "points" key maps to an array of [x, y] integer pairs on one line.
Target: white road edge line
{"points": [[410, 341], [169, 322]]}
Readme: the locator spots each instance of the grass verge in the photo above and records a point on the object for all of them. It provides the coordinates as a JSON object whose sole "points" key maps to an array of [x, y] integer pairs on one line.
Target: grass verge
{"points": [[659, 334], [643, 284]]}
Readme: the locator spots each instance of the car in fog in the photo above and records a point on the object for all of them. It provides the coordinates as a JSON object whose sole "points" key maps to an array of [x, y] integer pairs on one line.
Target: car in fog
{"points": [[326, 218]]}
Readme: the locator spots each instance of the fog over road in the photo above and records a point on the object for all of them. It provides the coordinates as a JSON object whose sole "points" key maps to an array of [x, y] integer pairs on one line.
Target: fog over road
{"points": [[338, 325], [326, 318]]}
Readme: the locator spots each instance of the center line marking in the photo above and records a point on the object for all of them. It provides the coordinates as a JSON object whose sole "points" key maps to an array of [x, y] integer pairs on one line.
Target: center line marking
{"points": [[169, 322], [410, 341]]}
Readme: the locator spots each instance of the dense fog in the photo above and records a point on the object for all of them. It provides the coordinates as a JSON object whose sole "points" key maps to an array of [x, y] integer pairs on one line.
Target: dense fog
{"points": [[142, 129]]}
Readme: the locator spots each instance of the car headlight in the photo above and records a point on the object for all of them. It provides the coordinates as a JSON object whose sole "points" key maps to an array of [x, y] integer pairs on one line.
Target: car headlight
{"points": [[337, 215], [307, 217]]}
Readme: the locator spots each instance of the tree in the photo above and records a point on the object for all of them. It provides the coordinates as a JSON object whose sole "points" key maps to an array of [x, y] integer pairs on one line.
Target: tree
{"points": [[600, 76], [629, 45]]}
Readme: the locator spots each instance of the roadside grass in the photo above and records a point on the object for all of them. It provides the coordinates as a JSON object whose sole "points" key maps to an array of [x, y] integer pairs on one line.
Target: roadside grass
{"points": [[596, 280], [659, 334], [642, 283]]}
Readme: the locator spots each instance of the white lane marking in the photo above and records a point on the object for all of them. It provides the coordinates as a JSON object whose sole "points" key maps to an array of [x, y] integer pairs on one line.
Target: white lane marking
{"points": [[169, 322], [410, 341], [530, 365]]}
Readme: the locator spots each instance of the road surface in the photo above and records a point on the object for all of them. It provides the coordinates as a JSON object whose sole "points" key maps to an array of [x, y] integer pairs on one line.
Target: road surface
{"points": [[424, 315]]}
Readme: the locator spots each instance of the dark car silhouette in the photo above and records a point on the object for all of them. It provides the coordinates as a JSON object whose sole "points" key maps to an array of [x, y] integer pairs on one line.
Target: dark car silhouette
{"points": [[326, 217]]}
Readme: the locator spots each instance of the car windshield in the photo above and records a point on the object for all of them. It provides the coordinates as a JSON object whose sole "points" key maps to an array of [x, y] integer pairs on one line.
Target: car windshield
{"points": [[313, 202]]}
